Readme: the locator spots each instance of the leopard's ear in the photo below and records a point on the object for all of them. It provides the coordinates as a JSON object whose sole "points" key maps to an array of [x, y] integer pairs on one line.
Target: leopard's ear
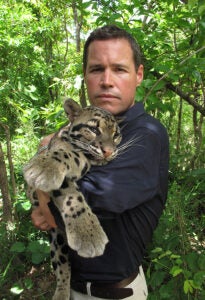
{"points": [[72, 109], [119, 119]]}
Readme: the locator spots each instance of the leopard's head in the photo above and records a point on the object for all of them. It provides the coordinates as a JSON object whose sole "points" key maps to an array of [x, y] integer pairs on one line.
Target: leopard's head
{"points": [[93, 130]]}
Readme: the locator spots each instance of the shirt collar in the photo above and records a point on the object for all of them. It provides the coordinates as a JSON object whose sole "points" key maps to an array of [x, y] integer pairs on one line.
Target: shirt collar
{"points": [[132, 113]]}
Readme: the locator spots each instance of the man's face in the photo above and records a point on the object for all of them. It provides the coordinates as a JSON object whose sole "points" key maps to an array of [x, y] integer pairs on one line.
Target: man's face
{"points": [[110, 76]]}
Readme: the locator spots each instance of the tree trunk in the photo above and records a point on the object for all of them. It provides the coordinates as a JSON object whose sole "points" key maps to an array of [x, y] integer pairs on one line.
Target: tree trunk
{"points": [[78, 21], [4, 186], [179, 126], [82, 94], [9, 156], [197, 124], [78, 25]]}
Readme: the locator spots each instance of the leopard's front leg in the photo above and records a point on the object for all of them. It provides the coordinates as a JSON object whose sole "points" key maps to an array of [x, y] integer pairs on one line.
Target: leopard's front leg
{"points": [[83, 230], [61, 264], [47, 170]]}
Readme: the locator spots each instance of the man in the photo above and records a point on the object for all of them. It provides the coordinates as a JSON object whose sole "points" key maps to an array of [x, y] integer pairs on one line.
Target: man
{"points": [[129, 194]]}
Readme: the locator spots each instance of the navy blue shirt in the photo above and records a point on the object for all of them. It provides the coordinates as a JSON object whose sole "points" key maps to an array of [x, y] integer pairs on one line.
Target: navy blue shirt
{"points": [[128, 196]]}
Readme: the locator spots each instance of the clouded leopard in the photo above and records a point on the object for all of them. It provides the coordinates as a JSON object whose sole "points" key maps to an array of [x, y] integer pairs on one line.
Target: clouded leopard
{"points": [[91, 138]]}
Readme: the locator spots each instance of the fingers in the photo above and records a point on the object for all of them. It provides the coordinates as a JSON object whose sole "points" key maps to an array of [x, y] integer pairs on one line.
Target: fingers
{"points": [[45, 211], [39, 220], [41, 216], [49, 217]]}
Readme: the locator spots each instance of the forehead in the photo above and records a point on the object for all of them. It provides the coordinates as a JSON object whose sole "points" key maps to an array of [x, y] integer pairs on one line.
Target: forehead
{"points": [[112, 50]]}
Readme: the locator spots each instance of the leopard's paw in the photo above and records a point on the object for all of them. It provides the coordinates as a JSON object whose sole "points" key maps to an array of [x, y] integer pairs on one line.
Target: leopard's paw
{"points": [[44, 173], [85, 235], [61, 295]]}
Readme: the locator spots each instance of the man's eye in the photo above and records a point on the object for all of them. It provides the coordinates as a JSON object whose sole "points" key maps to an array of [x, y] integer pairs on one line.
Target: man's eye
{"points": [[120, 69], [96, 70]]}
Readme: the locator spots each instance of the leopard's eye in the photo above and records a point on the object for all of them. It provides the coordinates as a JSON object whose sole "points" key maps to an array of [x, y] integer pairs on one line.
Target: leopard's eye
{"points": [[95, 130], [116, 136]]}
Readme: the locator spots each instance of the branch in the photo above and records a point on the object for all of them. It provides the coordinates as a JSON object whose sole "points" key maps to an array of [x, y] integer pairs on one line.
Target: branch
{"points": [[186, 97], [177, 89]]}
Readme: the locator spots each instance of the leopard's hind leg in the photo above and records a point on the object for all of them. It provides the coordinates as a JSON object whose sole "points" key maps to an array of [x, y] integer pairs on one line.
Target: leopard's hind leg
{"points": [[61, 264], [83, 230]]}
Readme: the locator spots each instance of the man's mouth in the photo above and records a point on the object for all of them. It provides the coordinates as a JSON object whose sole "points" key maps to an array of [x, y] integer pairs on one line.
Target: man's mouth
{"points": [[107, 96]]}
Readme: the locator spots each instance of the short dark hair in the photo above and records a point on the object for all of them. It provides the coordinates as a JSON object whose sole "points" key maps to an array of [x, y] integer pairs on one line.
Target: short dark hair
{"points": [[109, 32]]}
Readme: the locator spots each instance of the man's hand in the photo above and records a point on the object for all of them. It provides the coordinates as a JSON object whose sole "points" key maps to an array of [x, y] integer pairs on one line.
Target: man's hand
{"points": [[41, 215]]}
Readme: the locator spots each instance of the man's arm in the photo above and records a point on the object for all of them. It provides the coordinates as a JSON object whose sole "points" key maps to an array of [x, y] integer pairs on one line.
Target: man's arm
{"points": [[41, 216]]}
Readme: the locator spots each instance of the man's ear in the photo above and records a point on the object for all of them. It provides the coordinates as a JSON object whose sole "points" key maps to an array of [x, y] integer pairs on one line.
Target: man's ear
{"points": [[140, 75], [72, 109]]}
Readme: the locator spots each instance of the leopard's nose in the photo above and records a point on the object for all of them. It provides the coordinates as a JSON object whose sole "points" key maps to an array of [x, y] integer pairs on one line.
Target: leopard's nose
{"points": [[107, 152]]}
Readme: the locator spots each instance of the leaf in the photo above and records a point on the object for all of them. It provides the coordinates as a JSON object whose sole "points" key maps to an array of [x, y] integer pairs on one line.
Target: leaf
{"points": [[199, 278], [157, 250], [140, 93], [157, 278], [201, 9], [160, 85], [18, 247], [39, 246], [166, 291], [201, 262], [16, 289], [37, 258], [34, 246], [147, 83], [23, 206], [191, 259], [192, 3], [28, 283], [188, 288], [175, 256], [40, 250], [197, 172], [175, 271]]}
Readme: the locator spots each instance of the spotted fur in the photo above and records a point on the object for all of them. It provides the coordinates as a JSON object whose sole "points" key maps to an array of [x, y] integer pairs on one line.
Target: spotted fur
{"points": [[91, 138]]}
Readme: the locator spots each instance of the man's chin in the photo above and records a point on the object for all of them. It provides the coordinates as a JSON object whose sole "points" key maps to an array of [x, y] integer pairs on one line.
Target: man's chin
{"points": [[107, 106], [111, 105], [111, 108]]}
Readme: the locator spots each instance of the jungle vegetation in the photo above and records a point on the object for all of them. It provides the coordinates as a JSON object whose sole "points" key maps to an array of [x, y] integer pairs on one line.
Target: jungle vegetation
{"points": [[41, 46]]}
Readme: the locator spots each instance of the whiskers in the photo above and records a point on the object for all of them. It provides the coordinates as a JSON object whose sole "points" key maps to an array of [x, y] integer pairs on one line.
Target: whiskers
{"points": [[125, 147], [96, 154], [92, 150], [95, 151]]}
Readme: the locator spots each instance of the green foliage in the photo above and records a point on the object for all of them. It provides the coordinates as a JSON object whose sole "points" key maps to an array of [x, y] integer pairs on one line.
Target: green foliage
{"points": [[38, 250], [176, 260], [176, 276], [40, 63], [35, 63], [22, 247]]}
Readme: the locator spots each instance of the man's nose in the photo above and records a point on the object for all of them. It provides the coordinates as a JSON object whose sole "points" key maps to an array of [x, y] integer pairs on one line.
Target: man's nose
{"points": [[107, 78]]}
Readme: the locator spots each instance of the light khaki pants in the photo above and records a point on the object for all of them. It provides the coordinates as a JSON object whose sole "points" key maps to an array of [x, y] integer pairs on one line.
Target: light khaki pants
{"points": [[139, 287]]}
